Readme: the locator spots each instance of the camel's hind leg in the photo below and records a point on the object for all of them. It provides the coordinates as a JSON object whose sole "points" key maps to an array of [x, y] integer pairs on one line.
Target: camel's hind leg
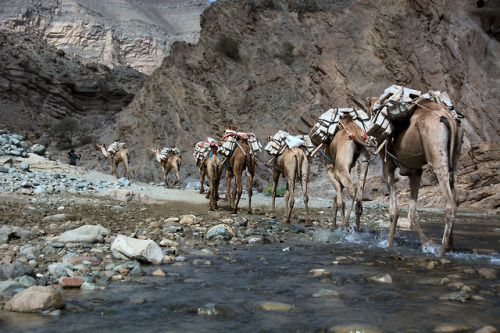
{"points": [[304, 178], [289, 198], [412, 211], [238, 190], [276, 177], [229, 175]]}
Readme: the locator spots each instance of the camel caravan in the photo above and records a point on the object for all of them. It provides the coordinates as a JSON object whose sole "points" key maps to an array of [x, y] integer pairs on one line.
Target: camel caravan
{"points": [[406, 128]]}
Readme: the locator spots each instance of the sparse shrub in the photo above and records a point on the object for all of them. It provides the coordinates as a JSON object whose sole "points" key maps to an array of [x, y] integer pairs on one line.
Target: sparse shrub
{"points": [[280, 190], [65, 132], [287, 53], [229, 47]]}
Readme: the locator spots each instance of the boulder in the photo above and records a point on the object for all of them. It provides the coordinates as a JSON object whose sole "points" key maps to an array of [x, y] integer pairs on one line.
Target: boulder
{"points": [[142, 250], [84, 234], [35, 298], [14, 270]]}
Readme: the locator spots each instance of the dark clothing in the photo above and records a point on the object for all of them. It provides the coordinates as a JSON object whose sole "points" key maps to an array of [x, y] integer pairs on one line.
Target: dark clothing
{"points": [[72, 158]]}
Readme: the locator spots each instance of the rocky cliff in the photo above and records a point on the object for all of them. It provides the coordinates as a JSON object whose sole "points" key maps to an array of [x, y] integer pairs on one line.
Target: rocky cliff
{"points": [[295, 59], [39, 86], [116, 33]]}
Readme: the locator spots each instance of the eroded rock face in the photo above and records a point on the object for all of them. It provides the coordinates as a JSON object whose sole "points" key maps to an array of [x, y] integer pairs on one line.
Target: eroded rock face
{"points": [[117, 34]]}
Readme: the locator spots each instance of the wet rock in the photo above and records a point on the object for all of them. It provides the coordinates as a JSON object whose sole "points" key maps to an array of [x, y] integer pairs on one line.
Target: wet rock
{"points": [[159, 272], [488, 273], [449, 328], [327, 293], [14, 270], [71, 282], [320, 272], [84, 234], [381, 279], [35, 299], [211, 309], [220, 232], [143, 250], [27, 281], [461, 296], [358, 328], [258, 239], [487, 329], [274, 306]]}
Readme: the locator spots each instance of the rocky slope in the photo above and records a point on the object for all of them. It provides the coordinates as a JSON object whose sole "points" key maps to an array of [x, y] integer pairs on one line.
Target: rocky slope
{"points": [[114, 33], [297, 59], [39, 85]]}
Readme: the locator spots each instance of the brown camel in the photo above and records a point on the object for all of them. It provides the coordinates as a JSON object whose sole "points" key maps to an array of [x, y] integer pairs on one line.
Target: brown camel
{"points": [[173, 162], [213, 169], [433, 136], [293, 164], [242, 158], [121, 156], [200, 164], [342, 153]]}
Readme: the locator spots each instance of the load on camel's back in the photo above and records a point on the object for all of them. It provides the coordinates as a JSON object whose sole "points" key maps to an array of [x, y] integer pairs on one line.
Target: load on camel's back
{"points": [[238, 150], [419, 130], [290, 160], [342, 131], [209, 164]]}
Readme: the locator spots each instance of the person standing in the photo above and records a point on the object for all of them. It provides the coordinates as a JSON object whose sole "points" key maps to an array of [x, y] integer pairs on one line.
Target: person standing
{"points": [[73, 157]]}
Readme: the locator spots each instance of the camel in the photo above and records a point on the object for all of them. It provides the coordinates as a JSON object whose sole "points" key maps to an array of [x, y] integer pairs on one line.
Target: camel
{"points": [[173, 162], [200, 164], [121, 156], [293, 164], [433, 136], [342, 154], [213, 169], [242, 158]]}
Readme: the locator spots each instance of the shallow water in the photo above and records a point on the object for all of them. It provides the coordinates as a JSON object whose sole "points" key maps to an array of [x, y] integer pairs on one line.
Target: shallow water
{"points": [[243, 277]]}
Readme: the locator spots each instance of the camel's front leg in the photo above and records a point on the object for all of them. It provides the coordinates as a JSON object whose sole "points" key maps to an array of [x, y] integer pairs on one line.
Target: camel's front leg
{"points": [[177, 180], [306, 200], [169, 168], [345, 179], [412, 211], [362, 169], [393, 207], [228, 187], [337, 200]]}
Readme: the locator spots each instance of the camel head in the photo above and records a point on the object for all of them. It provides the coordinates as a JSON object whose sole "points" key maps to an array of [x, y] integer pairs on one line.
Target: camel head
{"points": [[100, 145], [370, 103], [356, 133], [155, 150], [231, 127]]}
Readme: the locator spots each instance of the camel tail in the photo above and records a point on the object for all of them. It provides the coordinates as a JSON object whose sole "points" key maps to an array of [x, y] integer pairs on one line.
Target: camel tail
{"points": [[452, 126], [298, 169]]}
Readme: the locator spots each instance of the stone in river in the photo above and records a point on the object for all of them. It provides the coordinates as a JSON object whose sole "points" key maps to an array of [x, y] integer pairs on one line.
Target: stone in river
{"points": [[35, 299]]}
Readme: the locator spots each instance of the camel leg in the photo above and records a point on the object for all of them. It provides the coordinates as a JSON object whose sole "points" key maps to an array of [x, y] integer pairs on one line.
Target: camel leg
{"points": [[250, 189], [337, 200], [169, 168], [286, 196], [450, 206], [345, 179], [238, 189], [361, 185], [305, 176], [164, 176], [276, 177], [412, 211], [228, 187], [291, 199], [177, 180], [393, 207], [202, 178]]}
